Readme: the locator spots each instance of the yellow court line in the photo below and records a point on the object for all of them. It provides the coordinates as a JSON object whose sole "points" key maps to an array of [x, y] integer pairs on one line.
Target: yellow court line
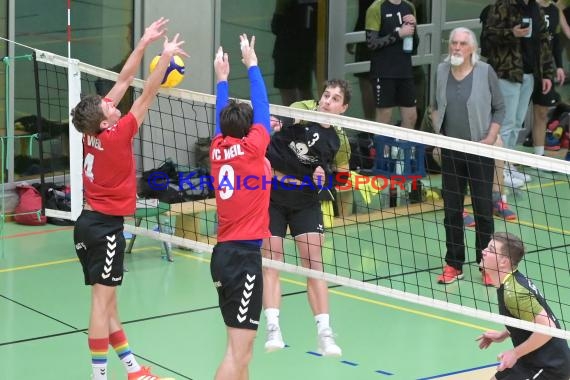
{"points": [[288, 280], [191, 256], [57, 262], [535, 225], [541, 227], [365, 299], [40, 265], [553, 183], [529, 224], [395, 307]]}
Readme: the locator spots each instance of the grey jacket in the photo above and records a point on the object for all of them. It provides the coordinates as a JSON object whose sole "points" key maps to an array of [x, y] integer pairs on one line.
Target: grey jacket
{"points": [[485, 104]]}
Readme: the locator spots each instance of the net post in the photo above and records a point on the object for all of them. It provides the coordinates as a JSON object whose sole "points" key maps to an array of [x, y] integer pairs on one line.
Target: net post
{"points": [[75, 140]]}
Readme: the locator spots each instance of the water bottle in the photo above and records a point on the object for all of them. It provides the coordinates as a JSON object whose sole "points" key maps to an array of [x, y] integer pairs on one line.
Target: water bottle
{"points": [[408, 44], [400, 162], [394, 152], [399, 155]]}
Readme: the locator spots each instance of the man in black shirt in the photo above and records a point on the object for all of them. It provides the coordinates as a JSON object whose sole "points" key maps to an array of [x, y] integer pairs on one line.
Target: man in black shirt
{"points": [[302, 156], [392, 38], [534, 356]]}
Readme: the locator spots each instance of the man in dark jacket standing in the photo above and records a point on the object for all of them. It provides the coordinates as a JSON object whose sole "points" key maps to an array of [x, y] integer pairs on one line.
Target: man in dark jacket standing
{"points": [[518, 48]]}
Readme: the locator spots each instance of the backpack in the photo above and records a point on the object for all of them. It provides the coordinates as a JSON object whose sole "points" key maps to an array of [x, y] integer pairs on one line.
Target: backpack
{"points": [[28, 210], [483, 39], [167, 189], [56, 197], [362, 152]]}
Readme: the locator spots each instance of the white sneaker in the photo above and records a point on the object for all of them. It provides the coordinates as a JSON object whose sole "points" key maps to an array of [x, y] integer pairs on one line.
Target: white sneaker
{"points": [[512, 181], [274, 340], [516, 174], [327, 345]]}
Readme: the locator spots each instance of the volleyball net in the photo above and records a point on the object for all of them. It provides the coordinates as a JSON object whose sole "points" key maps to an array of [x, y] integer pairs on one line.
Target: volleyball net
{"points": [[385, 231]]}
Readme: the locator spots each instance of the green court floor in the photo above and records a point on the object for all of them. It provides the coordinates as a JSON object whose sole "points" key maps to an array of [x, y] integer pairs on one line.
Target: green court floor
{"points": [[172, 321]]}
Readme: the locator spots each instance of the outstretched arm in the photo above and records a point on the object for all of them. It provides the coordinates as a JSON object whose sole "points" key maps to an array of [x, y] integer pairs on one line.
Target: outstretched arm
{"points": [[222, 69], [259, 100], [127, 74], [170, 48], [489, 337]]}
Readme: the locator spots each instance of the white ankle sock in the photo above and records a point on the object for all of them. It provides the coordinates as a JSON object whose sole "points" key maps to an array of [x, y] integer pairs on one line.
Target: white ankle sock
{"points": [[130, 363], [99, 371], [272, 316], [539, 150], [323, 322]]}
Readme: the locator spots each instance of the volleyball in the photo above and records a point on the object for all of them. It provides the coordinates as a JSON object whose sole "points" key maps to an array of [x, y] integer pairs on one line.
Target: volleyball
{"points": [[174, 73]]}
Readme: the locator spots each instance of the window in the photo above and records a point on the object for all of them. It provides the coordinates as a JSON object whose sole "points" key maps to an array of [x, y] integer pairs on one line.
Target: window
{"points": [[101, 36]]}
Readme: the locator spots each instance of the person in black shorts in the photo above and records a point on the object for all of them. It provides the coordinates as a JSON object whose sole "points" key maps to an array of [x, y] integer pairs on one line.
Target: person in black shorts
{"points": [[294, 51], [390, 23], [302, 156], [109, 184], [534, 356], [543, 102], [238, 151], [362, 53]]}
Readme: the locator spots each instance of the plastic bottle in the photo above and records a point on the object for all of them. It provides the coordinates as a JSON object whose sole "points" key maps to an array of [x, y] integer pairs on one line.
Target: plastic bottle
{"points": [[399, 160], [408, 44]]}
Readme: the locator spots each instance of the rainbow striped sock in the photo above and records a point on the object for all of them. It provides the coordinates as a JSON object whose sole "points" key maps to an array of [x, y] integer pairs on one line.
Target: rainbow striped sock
{"points": [[99, 348], [118, 340]]}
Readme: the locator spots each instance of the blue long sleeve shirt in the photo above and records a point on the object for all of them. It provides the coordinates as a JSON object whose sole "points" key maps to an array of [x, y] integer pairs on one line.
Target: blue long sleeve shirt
{"points": [[259, 99]]}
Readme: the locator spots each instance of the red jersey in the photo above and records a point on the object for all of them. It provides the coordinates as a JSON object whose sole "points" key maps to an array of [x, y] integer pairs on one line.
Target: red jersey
{"points": [[109, 177], [242, 180]]}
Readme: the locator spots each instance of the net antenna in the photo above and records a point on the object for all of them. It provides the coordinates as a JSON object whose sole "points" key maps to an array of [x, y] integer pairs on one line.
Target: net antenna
{"points": [[389, 250], [69, 29]]}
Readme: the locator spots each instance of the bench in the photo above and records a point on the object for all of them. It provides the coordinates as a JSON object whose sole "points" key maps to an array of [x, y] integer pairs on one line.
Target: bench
{"points": [[153, 212], [188, 219]]}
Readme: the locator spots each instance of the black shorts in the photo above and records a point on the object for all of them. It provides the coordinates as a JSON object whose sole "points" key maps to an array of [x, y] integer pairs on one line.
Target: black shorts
{"points": [[520, 371], [550, 99], [300, 221], [393, 92], [100, 247], [237, 276], [294, 70]]}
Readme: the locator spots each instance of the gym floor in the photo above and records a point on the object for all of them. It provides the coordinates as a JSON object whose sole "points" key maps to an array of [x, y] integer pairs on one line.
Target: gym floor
{"points": [[173, 323]]}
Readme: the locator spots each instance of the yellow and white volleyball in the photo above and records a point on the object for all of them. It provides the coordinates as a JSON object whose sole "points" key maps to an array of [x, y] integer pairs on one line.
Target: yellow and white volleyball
{"points": [[174, 73]]}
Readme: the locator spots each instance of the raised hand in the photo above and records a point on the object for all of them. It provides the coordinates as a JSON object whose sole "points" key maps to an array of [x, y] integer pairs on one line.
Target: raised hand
{"points": [[275, 123], [173, 47], [222, 65], [155, 30], [248, 56]]}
